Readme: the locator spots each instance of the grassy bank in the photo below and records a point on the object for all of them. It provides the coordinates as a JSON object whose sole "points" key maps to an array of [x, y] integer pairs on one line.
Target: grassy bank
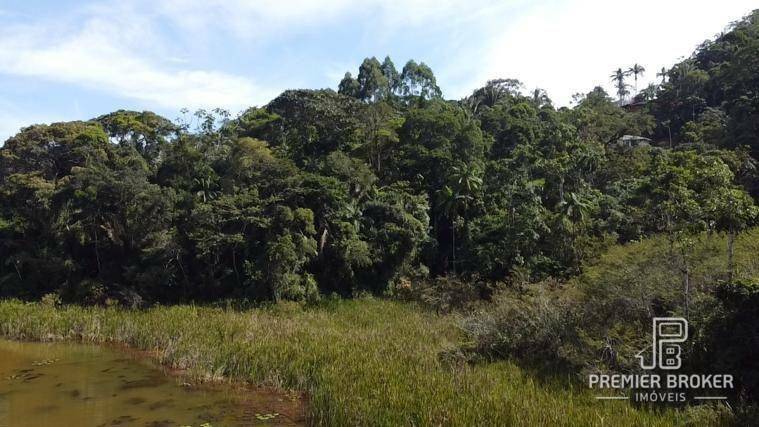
{"points": [[363, 362]]}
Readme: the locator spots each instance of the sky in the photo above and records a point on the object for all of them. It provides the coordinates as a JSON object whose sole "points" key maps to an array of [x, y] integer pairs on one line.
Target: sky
{"points": [[74, 60]]}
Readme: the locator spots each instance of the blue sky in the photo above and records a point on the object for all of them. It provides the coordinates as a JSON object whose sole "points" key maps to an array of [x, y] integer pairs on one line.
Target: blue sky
{"points": [[67, 59]]}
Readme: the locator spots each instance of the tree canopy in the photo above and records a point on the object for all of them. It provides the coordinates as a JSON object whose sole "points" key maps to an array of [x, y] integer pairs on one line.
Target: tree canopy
{"points": [[381, 182]]}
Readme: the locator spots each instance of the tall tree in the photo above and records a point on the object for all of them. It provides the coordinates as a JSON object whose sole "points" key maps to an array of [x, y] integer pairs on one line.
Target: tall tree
{"points": [[733, 211], [382, 123], [493, 92], [392, 77], [349, 86], [618, 77], [636, 70], [372, 80], [663, 74], [418, 80]]}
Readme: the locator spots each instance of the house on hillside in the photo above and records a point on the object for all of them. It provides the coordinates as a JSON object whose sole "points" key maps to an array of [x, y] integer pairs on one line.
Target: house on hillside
{"points": [[631, 105], [631, 141]]}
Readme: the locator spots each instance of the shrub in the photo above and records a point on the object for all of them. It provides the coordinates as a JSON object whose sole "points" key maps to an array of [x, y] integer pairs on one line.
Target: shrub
{"points": [[730, 336], [51, 300], [446, 294], [535, 326]]}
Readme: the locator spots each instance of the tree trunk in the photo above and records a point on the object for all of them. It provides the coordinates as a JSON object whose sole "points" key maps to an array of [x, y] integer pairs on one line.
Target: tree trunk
{"points": [[730, 255], [15, 266], [453, 246], [686, 282], [234, 266], [97, 252], [185, 279]]}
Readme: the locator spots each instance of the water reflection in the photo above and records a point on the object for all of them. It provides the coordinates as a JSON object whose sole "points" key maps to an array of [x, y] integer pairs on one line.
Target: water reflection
{"points": [[85, 385]]}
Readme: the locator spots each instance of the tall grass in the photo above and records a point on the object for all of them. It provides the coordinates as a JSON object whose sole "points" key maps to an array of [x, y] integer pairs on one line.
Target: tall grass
{"points": [[362, 362]]}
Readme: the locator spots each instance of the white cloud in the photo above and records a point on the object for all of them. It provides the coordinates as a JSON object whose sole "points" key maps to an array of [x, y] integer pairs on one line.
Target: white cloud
{"points": [[142, 49], [571, 46], [117, 47], [114, 54]]}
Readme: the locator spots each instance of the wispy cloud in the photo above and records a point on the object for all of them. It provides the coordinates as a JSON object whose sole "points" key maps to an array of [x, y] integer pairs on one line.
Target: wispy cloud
{"points": [[169, 54], [571, 46], [129, 48], [114, 54]]}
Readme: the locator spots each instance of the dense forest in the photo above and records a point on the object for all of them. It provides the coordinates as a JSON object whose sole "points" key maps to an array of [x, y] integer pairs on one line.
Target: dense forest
{"points": [[385, 187]]}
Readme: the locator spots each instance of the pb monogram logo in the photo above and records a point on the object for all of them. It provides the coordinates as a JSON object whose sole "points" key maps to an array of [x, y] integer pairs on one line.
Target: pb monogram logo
{"points": [[666, 354], [668, 333]]}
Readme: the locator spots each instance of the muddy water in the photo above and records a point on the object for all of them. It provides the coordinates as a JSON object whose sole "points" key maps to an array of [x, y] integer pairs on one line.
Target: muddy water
{"points": [[86, 385]]}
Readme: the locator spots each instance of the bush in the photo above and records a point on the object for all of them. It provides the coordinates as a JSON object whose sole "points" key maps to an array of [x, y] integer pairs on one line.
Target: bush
{"points": [[534, 326], [51, 300], [730, 337], [446, 294], [86, 291]]}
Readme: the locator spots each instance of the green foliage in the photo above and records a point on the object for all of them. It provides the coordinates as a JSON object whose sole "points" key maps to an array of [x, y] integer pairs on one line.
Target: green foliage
{"points": [[144, 131], [372, 80], [381, 82], [417, 80], [601, 319], [597, 118], [711, 97], [209, 214], [312, 124], [731, 335]]}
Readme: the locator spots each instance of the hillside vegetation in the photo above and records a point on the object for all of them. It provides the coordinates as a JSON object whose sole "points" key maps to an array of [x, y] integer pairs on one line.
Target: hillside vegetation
{"points": [[377, 185]]}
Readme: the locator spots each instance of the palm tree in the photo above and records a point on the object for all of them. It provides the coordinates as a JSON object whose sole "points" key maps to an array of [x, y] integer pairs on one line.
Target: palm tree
{"points": [[684, 68], [206, 189], [680, 72], [618, 77], [493, 92], [471, 104], [353, 215], [465, 182], [636, 70], [662, 74], [449, 203], [574, 209], [573, 213]]}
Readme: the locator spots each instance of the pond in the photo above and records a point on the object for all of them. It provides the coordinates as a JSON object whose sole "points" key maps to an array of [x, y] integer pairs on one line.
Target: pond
{"points": [[44, 384]]}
